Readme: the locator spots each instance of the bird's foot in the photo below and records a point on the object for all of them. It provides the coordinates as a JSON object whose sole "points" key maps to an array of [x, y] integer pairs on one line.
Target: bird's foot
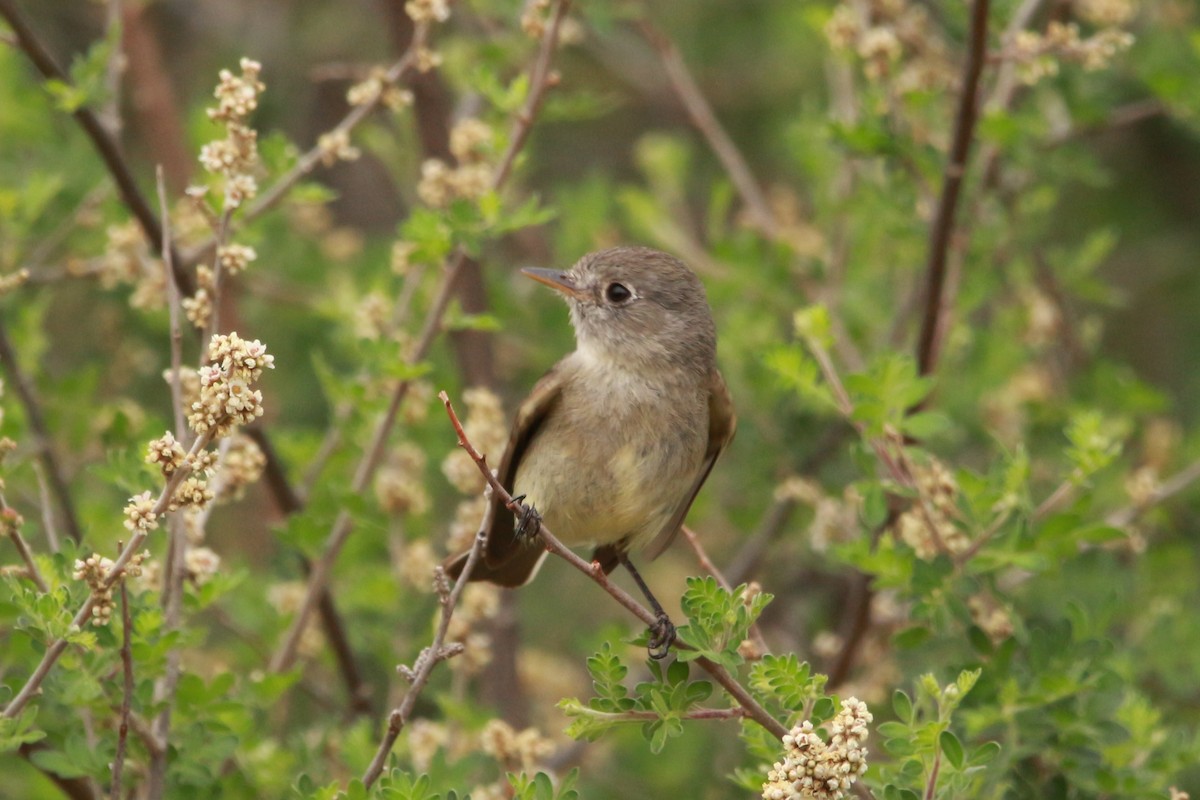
{"points": [[662, 636], [529, 521]]}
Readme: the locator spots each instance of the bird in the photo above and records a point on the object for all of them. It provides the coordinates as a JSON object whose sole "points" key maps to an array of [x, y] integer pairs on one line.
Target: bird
{"points": [[612, 445]]}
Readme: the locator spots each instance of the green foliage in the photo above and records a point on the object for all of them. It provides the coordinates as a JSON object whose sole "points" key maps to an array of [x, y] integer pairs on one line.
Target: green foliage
{"points": [[786, 682], [1004, 547], [659, 706], [718, 621]]}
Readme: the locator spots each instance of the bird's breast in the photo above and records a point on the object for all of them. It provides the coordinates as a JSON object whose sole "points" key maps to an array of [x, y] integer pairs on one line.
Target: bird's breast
{"points": [[615, 457]]}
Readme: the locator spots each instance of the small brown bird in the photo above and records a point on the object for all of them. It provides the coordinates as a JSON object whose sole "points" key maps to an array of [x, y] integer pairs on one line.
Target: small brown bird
{"points": [[614, 442]]}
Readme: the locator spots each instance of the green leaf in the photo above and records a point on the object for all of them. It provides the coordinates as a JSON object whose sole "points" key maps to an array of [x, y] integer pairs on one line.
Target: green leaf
{"points": [[718, 621], [57, 763], [984, 754], [893, 730], [952, 748], [902, 705], [926, 424], [607, 673], [785, 679]]}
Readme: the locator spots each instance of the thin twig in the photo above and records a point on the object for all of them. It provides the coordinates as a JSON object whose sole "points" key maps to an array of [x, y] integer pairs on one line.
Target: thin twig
{"points": [[596, 573], [934, 321], [702, 116], [706, 563], [102, 140], [45, 503], [931, 784], [343, 524], [736, 712], [110, 114], [437, 652], [1166, 490], [32, 407], [174, 310], [126, 696], [11, 519], [165, 686], [56, 649], [317, 154]]}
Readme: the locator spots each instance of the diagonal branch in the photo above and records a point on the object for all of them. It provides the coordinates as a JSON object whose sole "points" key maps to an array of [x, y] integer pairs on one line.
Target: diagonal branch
{"points": [[702, 116], [114, 161], [118, 762], [313, 158], [597, 574], [762, 216], [41, 433], [116, 572], [104, 142], [934, 321], [437, 652], [343, 525]]}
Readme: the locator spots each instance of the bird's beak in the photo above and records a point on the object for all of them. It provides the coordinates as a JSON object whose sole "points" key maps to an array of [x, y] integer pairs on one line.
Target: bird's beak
{"points": [[555, 279]]}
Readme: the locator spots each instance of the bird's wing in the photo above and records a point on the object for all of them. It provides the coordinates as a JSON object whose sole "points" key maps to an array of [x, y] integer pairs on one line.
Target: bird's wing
{"points": [[502, 541], [506, 561], [722, 422]]}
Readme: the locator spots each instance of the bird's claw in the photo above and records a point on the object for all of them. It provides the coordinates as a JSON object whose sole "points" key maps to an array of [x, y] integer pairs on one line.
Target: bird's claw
{"points": [[662, 636], [529, 521]]}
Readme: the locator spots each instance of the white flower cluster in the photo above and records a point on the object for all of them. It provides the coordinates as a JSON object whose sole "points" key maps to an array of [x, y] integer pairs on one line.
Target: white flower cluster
{"points": [[814, 769], [139, 514], [94, 570], [226, 397], [236, 156], [167, 452], [472, 142], [428, 10]]}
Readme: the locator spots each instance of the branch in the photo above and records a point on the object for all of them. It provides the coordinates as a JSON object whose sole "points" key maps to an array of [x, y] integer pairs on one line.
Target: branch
{"points": [[41, 433], [702, 116], [9, 520], [313, 158], [934, 323], [1167, 489], [102, 140], [173, 306], [343, 525], [44, 503], [705, 562], [56, 649], [596, 573], [127, 693], [275, 473], [437, 652]]}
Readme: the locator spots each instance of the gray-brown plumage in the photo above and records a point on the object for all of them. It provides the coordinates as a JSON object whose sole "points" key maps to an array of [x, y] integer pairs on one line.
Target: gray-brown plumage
{"points": [[614, 442]]}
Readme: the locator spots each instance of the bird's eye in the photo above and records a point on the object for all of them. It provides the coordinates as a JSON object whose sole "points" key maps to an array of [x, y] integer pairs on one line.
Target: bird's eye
{"points": [[617, 293]]}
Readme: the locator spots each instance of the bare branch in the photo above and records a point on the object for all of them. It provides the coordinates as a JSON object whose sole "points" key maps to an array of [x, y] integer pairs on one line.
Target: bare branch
{"points": [[102, 140], [45, 503], [311, 159], [343, 525], [126, 694], [9, 521], [596, 573], [706, 563], [702, 116], [430, 657], [41, 432], [934, 321], [1168, 489], [173, 306]]}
